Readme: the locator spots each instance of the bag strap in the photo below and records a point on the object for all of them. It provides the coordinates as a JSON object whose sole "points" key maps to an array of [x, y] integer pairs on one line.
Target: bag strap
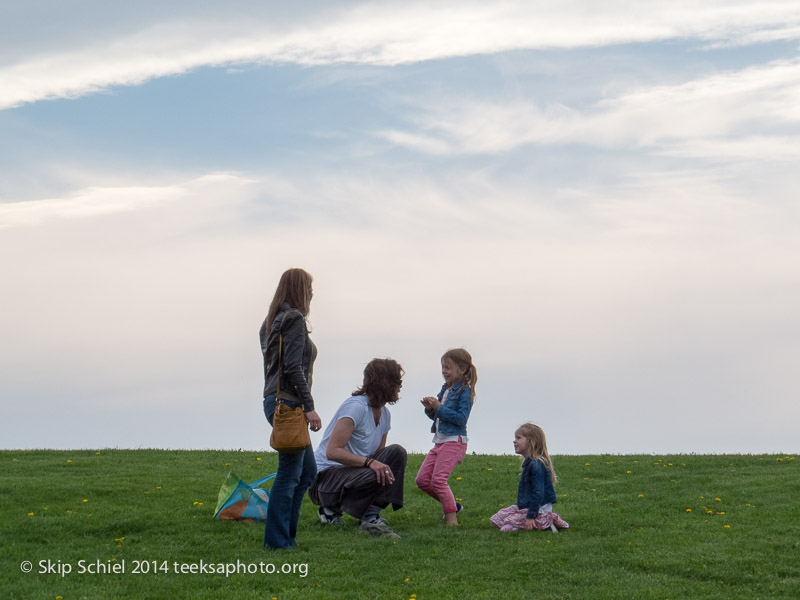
{"points": [[280, 362], [262, 481], [280, 354]]}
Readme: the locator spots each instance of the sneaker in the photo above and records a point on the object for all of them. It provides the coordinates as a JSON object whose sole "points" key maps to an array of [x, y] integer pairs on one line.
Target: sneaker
{"points": [[328, 517], [459, 508], [377, 527]]}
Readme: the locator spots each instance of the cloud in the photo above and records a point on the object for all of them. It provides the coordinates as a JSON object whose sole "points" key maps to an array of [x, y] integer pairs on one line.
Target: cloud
{"points": [[103, 201], [368, 33], [598, 298], [775, 148], [637, 293], [703, 117]]}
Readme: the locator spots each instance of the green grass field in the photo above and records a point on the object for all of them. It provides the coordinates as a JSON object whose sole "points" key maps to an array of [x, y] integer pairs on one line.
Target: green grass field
{"points": [[658, 527]]}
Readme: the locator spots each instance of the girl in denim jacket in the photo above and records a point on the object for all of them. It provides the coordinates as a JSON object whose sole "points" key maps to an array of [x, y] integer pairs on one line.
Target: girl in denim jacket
{"points": [[449, 412], [535, 495]]}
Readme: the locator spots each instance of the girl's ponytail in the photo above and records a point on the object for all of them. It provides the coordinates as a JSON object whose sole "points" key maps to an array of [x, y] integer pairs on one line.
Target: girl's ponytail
{"points": [[471, 378]]}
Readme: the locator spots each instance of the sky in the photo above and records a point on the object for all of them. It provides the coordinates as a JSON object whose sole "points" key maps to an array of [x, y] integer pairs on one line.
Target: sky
{"points": [[598, 200]]}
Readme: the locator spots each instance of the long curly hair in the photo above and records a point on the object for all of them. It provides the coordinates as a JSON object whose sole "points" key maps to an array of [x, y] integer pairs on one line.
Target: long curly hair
{"points": [[383, 378]]}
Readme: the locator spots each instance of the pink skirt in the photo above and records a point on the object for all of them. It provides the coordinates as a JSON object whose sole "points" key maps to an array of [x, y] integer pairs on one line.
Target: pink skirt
{"points": [[512, 518]]}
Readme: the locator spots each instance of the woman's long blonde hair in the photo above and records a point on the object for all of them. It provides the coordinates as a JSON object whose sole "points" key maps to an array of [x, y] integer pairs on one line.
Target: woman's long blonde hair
{"points": [[463, 360], [537, 446]]}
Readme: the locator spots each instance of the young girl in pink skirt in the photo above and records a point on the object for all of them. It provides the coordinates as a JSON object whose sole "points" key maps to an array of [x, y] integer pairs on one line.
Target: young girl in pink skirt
{"points": [[535, 496]]}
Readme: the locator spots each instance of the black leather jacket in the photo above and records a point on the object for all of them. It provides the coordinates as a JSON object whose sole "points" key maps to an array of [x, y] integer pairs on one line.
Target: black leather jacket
{"points": [[296, 362]]}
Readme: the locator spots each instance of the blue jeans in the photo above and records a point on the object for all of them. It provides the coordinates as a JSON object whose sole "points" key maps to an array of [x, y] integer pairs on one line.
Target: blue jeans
{"points": [[295, 474]]}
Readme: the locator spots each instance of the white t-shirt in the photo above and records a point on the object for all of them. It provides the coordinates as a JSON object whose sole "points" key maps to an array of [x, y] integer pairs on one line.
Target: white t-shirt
{"points": [[366, 436]]}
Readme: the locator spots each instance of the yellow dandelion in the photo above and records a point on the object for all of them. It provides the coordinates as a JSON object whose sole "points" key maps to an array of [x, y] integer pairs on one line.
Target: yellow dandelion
{"points": [[587, 465], [688, 510], [711, 512], [718, 499], [97, 454], [641, 496], [458, 478], [727, 526], [258, 458], [59, 597], [458, 499], [30, 514], [85, 500], [721, 512], [69, 460], [628, 472], [407, 580], [489, 469], [227, 464]]}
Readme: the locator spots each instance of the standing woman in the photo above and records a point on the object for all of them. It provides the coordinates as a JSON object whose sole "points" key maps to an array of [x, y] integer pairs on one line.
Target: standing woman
{"points": [[285, 326]]}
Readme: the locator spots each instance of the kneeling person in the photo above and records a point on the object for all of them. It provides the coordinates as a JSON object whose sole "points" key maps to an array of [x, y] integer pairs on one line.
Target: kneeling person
{"points": [[358, 473]]}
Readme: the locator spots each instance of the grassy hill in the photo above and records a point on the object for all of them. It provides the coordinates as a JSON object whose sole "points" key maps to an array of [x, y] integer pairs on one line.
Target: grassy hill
{"points": [[660, 527]]}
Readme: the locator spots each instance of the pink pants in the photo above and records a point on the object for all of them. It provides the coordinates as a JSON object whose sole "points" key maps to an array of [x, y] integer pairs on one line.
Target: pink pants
{"points": [[435, 470]]}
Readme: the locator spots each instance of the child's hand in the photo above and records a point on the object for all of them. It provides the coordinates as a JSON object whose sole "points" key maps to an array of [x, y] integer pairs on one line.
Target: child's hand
{"points": [[529, 524], [430, 403]]}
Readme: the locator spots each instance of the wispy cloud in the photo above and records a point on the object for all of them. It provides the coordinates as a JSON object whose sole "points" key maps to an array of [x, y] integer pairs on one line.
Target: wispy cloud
{"points": [[376, 34], [695, 118], [96, 201]]}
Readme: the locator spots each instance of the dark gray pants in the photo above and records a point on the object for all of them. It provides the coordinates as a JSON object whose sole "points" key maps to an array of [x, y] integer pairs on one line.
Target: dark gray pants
{"points": [[353, 490]]}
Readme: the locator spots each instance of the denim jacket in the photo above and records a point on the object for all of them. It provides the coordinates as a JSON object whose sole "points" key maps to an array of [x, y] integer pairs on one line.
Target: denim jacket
{"points": [[296, 364], [535, 487], [452, 415]]}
